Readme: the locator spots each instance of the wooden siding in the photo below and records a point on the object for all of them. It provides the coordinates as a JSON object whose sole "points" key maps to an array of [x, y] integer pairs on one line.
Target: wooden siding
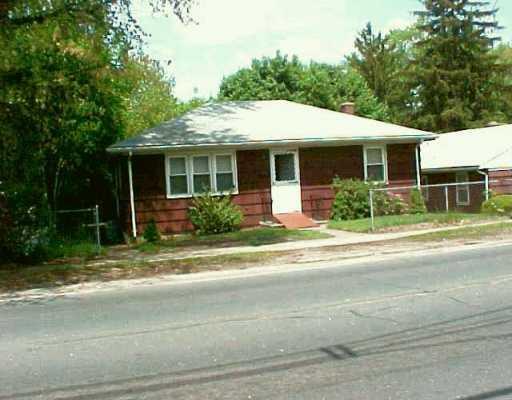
{"points": [[170, 215], [436, 196], [320, 165], [504, 184], [401, 164]]}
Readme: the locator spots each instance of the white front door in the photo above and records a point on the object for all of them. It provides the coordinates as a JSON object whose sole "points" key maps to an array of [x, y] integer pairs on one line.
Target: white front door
{"points": [[285, 176]]}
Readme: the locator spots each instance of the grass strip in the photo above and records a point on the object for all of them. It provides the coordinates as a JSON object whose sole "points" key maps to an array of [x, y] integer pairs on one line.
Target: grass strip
{"points": [[389, 221], [497, 231], [18, 277], [247, 237]]}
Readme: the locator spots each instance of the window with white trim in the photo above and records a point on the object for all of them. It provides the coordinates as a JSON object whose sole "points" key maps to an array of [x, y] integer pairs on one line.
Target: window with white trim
{"points": [[201, 177], [190, 174], [463, 198], [375, 164], [284, 167], [178, 177], [224, 173]]}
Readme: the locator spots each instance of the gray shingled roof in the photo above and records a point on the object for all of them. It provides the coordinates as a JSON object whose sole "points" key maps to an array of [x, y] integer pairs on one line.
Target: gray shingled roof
{"points": [[485, 148], [253, 122]]}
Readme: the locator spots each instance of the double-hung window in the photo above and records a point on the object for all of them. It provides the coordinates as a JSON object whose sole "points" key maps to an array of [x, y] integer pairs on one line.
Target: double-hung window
{"points": [[190, 174], [224, 173], [201, 179], [375, 164], [178, 176], [463, 198]]}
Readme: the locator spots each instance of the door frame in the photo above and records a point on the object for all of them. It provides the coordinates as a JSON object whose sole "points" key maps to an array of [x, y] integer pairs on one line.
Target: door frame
{"points": [[296, 181]]}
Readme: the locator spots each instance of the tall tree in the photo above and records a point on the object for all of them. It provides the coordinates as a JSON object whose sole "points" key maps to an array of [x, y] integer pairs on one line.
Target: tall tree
{"points": [[375, 60], [453, 78], [383, 60], [62, 101], [317, 84], [503, 53]]}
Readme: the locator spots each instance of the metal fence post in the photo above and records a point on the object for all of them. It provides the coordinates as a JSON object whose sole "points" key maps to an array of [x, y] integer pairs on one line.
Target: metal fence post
{"points": [[97, 223], [446, 199], [371, 211]]}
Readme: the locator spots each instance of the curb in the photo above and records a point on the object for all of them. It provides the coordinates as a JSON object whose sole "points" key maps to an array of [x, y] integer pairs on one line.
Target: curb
{"points": [[39, 295]]}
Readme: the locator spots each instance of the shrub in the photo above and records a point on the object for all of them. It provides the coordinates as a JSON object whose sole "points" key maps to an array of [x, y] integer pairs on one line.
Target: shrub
{"points": [[214, 214], [417, 203], [499, 205], [388, 204], [350, 199], [24, 233], [151, 233]]}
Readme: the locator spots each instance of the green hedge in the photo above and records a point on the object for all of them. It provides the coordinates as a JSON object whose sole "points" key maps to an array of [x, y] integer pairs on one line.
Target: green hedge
{"points": [[498, 205]]}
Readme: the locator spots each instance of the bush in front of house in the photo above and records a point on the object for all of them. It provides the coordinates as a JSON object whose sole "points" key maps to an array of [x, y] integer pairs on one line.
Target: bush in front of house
{"points": [[351, 200], [389, 204], [151, 232], [498, 205], [417, 203], [214, 214]]}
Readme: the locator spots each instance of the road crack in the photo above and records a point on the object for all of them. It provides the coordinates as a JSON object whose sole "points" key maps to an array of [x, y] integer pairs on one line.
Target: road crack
{"points": [[360, 315]]}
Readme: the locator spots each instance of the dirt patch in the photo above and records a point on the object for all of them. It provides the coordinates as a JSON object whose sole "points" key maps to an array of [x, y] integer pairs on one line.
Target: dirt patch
{"points": [[126, 266]]}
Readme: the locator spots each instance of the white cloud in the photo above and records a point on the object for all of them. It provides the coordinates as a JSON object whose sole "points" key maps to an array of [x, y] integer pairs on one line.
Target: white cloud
{"points": [[227, 21], [230, 33]]}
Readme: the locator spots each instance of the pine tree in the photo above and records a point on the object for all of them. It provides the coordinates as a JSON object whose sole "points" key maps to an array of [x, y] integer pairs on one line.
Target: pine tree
{"points": [[374, 60], [454, 72], [382, 61]]}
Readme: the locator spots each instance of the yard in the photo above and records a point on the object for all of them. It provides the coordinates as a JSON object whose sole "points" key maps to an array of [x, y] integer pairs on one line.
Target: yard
{"points": [[396, 222], [67, 272], [245, 237]]}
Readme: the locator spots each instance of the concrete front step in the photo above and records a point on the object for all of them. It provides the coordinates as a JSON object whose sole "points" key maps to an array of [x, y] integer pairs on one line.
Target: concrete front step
{"points": [[295, 221]]}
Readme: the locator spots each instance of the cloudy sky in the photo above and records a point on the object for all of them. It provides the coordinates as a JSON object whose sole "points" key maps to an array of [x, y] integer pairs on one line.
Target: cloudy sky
{"points": [[228, 34]]}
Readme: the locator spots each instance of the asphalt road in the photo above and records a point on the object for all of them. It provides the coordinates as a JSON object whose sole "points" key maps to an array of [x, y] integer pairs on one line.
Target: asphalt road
{"points": [[434, 326]]}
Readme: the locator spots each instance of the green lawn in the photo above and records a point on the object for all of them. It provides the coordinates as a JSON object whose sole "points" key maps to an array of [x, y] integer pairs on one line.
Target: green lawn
{"points": [[247, 237], [381, 223], [475, 233], [74, 249]]}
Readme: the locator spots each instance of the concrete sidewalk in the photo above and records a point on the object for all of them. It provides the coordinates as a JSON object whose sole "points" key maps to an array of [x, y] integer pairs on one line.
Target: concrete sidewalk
{"points": [[339, 238]]}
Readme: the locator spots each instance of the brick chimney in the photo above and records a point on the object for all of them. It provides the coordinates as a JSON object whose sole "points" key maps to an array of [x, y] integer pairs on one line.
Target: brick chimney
{"points": [[348, 108]]}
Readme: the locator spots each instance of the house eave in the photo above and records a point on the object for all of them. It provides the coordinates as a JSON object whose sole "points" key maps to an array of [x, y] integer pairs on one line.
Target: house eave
{"points": [[450, 169], [155, 149]]}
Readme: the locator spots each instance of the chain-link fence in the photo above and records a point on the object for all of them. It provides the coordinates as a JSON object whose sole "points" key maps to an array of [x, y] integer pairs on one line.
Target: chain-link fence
{"points": [[80, 225], [445, 197]]}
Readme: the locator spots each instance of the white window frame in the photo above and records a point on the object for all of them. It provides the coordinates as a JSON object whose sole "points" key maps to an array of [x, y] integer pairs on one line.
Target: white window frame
{"points": [[193, 173], [463, 187], [233, 171], [168, 176], [295, 154], [212, 161], [384, 150]]}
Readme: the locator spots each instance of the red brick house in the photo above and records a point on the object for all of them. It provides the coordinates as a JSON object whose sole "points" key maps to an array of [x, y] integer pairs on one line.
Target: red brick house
{"points": [[475, 155], [275, 157]]}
